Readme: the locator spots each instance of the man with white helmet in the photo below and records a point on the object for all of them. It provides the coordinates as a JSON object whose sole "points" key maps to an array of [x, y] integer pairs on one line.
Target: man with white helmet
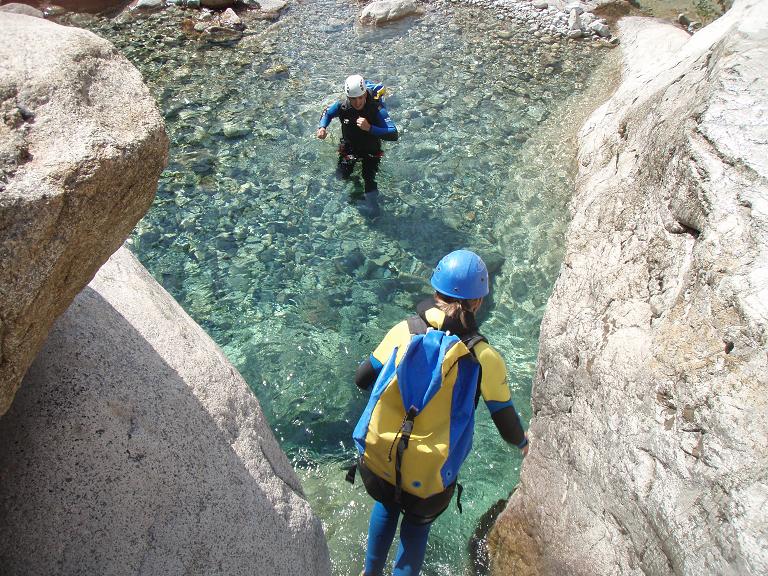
{"points": [[365, 122]]}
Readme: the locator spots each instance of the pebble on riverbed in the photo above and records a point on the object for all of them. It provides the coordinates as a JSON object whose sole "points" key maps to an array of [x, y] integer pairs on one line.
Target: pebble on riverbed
{"points": [[557, 18]]}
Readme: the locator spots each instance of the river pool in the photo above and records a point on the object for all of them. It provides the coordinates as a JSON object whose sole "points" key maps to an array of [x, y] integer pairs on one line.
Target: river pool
{"points": [[258, 241]]}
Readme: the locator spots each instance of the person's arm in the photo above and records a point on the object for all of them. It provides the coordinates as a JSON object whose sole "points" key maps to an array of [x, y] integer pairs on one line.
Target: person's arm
{"points": [[329, 114], [498, 397], [383, 127], [508, 424], [369, 369], [367, 372]]}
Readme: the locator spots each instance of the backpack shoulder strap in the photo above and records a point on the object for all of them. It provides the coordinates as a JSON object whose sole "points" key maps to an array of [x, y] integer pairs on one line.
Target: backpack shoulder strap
{"points": [[470, 342], [472, 339]]}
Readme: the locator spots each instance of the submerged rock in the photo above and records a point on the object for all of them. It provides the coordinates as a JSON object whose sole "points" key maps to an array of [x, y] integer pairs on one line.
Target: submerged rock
{"points": [[648, 451], [81, 149], [221, 35], [235, 130]]}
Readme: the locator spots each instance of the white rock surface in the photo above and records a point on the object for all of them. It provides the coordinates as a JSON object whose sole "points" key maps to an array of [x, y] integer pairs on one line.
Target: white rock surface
{"points": [[574, 6], [81, 147], [135, 447], [574, 21], [649, 451], [25, 9], [383, 11], [150, 4], [272, 5], [230, 19]]}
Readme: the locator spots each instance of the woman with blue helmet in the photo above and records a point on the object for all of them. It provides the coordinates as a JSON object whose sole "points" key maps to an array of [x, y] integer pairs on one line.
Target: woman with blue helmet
{"points": [[461, 282]]}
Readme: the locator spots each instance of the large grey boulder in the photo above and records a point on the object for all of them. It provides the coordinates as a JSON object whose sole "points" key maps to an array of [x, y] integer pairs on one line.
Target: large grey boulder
{"points": [[383, 11], [649, 450], [81, 147], [135, 447]]}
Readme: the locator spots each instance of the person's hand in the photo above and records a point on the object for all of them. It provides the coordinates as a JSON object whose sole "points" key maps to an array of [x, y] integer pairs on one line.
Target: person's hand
{"points": [[363, 124], [322, 133]]}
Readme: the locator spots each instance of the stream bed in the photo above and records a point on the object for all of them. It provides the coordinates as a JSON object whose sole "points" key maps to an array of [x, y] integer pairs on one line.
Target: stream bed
{"points": [[264, 248]]}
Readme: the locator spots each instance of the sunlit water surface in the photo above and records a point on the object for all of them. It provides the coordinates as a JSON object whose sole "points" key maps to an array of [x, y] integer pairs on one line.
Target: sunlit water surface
{"points": [[252, 234]]}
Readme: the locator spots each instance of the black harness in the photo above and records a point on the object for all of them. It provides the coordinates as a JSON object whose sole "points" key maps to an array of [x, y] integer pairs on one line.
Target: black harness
{"points": [[356, 141]]}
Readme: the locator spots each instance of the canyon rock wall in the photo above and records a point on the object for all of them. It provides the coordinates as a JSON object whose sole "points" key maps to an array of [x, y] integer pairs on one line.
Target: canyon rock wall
{"points": [[649, 450]]}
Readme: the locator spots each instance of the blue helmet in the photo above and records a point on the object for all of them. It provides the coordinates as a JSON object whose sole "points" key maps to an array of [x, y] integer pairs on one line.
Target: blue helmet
{"points": [[461, 274]]}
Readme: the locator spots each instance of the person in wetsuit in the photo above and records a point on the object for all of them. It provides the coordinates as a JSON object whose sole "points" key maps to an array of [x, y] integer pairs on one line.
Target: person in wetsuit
{"points": [[460, 281], [365, 122]]}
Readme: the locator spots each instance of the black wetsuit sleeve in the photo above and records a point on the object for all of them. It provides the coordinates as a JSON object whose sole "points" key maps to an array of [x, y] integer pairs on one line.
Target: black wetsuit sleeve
{"points": [[366, 374], [508, 424]]}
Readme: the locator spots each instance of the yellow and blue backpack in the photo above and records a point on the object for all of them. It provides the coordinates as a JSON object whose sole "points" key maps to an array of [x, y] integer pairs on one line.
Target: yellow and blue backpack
{"points": [[378, 92], [417, 428]]}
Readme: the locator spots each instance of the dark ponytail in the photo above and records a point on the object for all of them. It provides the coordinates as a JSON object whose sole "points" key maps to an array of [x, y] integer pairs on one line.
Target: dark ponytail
{"points": [[460, 310]]}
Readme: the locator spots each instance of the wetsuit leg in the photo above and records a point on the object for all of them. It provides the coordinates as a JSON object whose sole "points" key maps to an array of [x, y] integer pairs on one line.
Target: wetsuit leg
{"points": [[413, 547], [381, 532], [344, 168], [370, 167]]}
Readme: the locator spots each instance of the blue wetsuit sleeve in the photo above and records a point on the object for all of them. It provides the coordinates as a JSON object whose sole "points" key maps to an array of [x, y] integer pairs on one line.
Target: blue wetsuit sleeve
{"points": [[383, 127], [329, 114], [367, 372]]}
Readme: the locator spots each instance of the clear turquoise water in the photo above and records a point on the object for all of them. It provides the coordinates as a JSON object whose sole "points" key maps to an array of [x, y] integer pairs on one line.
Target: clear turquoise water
{"points": [[251, 233]]}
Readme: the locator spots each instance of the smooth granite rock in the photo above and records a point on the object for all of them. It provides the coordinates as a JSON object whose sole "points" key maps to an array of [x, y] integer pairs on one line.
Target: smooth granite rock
{"points": [[150, 4], [25, 9], [81, 147], [272, 5], [383, 11], [649, 441], [135, 447]]}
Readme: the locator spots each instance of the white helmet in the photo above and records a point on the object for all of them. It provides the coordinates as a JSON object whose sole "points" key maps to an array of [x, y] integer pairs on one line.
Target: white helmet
{"points": [[354, 86]]}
